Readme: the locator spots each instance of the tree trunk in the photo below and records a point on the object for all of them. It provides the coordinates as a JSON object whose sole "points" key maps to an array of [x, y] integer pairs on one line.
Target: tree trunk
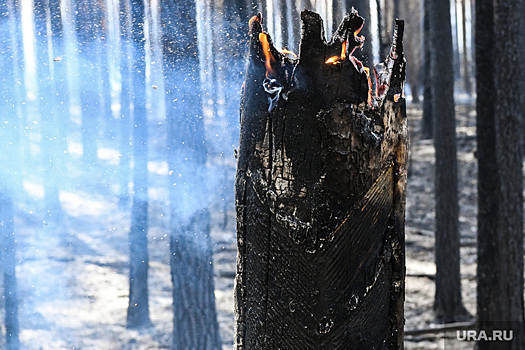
{"points": [[427, 127], [125, 101], [138, 308], [320, 191], [47, 108], [465, 59], [88, 22], [448, 303], [195, 323], [500, 179], [9, 170]]}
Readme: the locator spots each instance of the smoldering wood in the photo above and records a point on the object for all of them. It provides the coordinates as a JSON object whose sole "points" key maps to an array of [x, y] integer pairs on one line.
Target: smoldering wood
{"points": [[320, 196]]}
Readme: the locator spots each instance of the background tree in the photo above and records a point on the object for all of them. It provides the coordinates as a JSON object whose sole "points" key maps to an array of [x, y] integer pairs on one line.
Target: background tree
{"points": [[448, 303], [126, 51], [9, 169], [466, 72], [138, 308], [427, 122], [195, 319], [411, 11], [500, 179], [88, 22], [47, 102]]}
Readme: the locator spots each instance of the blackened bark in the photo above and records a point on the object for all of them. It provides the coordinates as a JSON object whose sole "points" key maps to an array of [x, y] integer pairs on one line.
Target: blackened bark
{"points": [[500, 187], [427, 126], [320, 191], [195, 323], [138, 308], [448, 304]]}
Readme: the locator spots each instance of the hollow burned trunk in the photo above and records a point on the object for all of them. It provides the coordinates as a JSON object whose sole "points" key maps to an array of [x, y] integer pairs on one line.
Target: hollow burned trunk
{"points": [[320, 195]]}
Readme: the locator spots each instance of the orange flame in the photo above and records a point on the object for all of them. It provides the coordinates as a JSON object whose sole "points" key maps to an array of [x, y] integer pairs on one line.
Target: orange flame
{"points": [[253, 19], [337, 59], [367, 71], [359, 39], [288, 52], [269, 59]]}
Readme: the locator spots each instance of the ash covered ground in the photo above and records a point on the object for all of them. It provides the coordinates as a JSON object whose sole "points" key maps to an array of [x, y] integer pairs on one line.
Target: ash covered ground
{"points": [[73, 278]]}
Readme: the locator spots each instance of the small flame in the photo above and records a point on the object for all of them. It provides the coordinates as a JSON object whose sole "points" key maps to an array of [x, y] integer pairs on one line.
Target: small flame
{"points": [[367, 71], [269, 59], [253, 19], [288, 52], [332, 60], [359, 39], [337, 59], [397, 97]]}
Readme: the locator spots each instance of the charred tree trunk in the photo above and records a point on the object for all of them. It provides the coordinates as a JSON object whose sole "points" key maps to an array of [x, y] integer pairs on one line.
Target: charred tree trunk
{"points": [[138, 308], [448, 303], [320, 196], [500, 179]]}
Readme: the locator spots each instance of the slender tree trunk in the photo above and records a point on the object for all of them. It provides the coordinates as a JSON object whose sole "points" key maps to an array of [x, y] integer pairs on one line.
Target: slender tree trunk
{"points": [[8, 259], [125, 101], [320, 197], [18, 70], [47, 102], [465, 59], [88, 23], [9, 160], [427, 127], [62, 96], [448, 304], [138, 308], [500, 180], [195, 319]]}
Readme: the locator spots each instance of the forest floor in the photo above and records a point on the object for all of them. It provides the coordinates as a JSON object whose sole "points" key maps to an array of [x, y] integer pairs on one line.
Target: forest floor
{"points": [[73, 277]]}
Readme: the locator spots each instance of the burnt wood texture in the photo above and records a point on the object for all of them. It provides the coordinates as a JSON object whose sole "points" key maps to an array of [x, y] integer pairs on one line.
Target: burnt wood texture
{"points": [[320, 194]]}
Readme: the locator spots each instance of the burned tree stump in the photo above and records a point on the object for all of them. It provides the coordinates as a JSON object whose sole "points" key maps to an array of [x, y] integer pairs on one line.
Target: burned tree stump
{"points": [[320, 194]]}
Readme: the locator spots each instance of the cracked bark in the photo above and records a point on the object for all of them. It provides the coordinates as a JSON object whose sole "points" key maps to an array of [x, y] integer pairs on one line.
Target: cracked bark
{"points": [[320, 197]]}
